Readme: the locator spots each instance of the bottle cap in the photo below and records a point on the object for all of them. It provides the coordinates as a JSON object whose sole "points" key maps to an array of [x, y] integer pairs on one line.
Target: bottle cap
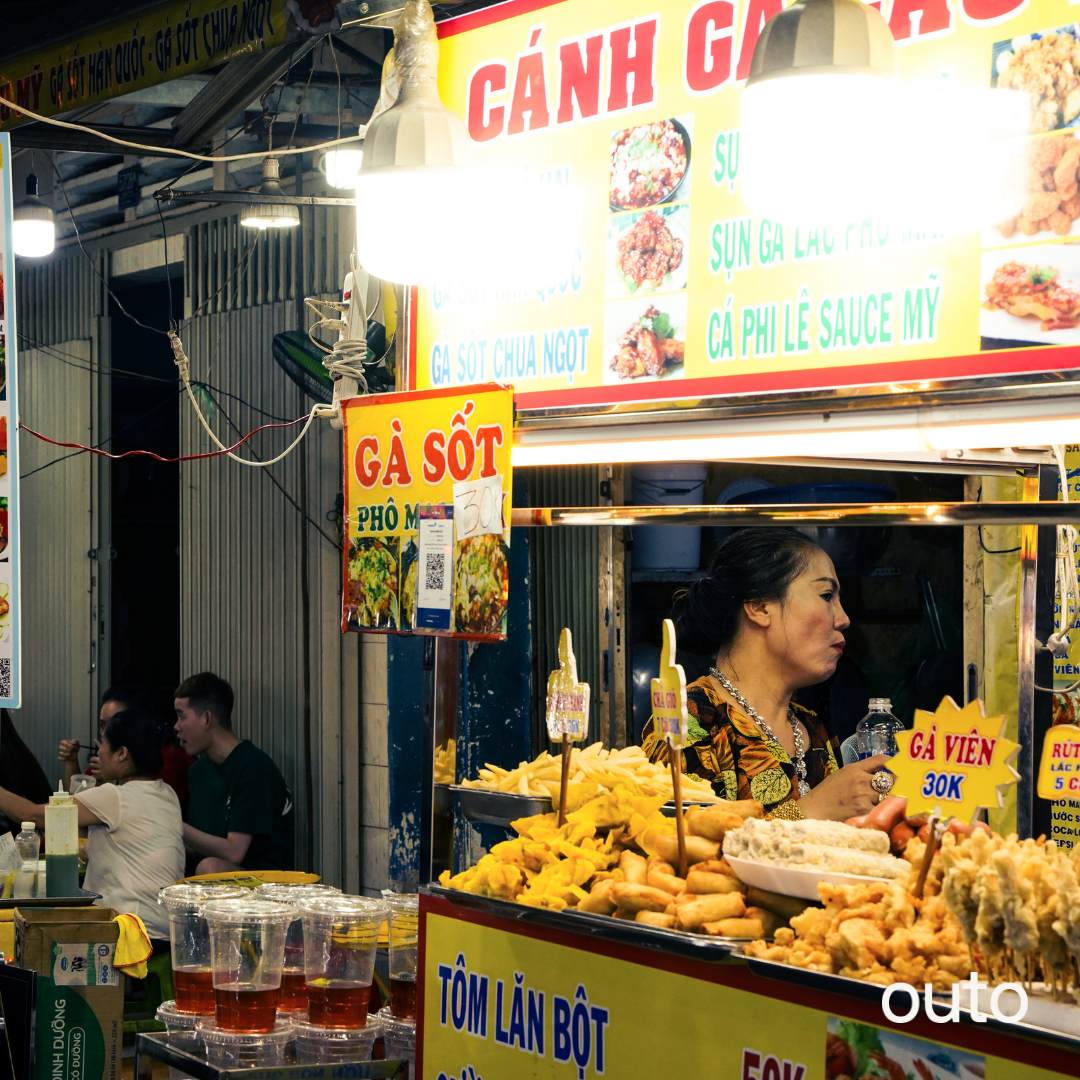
{"points": [[60, 798], [881, 703], [29, 825]]}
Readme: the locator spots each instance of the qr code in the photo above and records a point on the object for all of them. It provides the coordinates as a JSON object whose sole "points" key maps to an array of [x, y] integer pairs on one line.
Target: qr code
{"points": [[5, 677], [435, 573]]}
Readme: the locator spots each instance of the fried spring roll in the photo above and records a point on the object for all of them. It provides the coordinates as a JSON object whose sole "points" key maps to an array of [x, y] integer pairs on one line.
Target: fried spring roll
{"points": [[700, 881], [770, 921], [787, 907], [656, 918], [599, 901], [634, 867], [635, 898], [698, 849], [713, 908], [740, 928], [713, 823]]}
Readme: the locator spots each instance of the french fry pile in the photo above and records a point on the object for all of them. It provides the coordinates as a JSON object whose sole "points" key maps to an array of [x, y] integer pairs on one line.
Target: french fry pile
{"points": [[595, 765], [629, 873], [445, 762]]}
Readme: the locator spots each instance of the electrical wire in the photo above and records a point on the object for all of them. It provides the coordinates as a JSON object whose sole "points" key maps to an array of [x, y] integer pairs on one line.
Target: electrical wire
{"points": [[994, 551], [183, 457], [83, 365], [165, 246], [156, 151], [241, 269]]}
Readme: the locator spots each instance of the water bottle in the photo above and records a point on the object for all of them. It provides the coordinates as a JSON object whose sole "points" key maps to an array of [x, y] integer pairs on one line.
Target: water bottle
{"points": [[876, 732], [28, 845]]}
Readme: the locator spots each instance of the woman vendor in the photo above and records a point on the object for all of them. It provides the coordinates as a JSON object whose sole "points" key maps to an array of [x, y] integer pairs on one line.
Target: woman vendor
{"points": [[768, 609], [135, 844]]}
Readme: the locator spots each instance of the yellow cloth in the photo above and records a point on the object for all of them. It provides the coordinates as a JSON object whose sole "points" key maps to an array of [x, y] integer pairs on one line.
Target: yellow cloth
{"points": [[133, 947]]}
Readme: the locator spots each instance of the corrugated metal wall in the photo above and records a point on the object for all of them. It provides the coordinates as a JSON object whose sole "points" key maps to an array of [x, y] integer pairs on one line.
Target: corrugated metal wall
{"points": [[243, 535], [56, 394], [59, 300], [565, 570]]}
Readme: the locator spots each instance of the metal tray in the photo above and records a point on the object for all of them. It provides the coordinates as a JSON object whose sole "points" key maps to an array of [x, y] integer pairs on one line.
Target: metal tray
{"points": [[496, 807], [84, 899], [675, 942]]}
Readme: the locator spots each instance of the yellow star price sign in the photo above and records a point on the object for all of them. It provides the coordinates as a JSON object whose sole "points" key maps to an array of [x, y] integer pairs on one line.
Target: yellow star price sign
{"points": [[567, 699], [1059, 768], [953, 761], [669, 694]]}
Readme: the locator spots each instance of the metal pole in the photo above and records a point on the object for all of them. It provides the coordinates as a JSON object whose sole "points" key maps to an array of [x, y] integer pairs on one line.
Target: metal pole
{"points": [[961, 513], [1025, 671]]}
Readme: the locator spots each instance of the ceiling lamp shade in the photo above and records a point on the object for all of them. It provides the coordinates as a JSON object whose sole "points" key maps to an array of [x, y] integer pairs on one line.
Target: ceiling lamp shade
{"points": [[342, 167], [416, 185], [270, 215], [818, 113], [33, 226]]}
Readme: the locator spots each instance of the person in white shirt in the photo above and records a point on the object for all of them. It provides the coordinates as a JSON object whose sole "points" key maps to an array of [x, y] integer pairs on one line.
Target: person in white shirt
{"points": [[135, 844]]}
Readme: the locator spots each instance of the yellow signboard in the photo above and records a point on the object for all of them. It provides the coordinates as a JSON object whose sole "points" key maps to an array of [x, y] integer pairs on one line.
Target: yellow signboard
{"points": [[1059, 767], [677, 289], [953, 761], [427, 512], [503, 1000], [140, 50]]}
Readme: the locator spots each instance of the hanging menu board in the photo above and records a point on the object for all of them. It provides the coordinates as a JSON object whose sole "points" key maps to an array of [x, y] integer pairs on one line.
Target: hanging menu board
{"points": [[677, 289], [427, 513], [10, 675]]}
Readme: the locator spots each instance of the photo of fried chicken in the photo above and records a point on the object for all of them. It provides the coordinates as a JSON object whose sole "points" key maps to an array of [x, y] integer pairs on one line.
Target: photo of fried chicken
{"points": [[648, 252], [647, 347], [1048, 68], [1034, 291], [1053, 201]]}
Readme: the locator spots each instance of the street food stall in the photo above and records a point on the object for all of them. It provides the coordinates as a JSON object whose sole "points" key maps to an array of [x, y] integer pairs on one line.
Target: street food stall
{"points": [[573, 921]]}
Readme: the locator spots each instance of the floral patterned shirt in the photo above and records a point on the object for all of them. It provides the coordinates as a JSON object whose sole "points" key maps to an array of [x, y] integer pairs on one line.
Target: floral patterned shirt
{"points": [[728, 749]]}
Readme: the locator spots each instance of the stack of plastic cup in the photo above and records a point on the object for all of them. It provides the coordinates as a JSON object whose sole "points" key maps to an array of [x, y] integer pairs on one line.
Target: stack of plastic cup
{"points": [[404, 947], [335, 1046], [293, 999], [247, 949], [240, 1050], [399, 1038], [180, 1028], [340, 937], [190, 939]]}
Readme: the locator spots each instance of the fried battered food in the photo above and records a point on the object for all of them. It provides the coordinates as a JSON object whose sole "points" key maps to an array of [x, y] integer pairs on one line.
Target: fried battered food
{"points": [[1024, 290], [1052, 183], [648, 251], [878, 932], [1047, 70], [647, 346]]}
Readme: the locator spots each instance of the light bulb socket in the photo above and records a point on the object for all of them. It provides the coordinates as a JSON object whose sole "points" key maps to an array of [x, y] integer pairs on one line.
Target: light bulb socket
{"points": [[269, 215]]}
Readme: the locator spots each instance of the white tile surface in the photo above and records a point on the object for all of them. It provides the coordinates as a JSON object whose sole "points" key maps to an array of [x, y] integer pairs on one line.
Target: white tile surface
{"points": [[376, 720], [375, 796], [373, 674], [376, 864]]}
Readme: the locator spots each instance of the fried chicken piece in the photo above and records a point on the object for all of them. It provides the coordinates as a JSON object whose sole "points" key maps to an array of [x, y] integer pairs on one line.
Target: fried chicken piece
{"points": [[1072, 207], [1028, 227], [1065, 173], [859, 942], [1067, 924], [1039, 204], [1008, 228], [1059, 222], [1020, 932], [1046, 153], [672, 349]]}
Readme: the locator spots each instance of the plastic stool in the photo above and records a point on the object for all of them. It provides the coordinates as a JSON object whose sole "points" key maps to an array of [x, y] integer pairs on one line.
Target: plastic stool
{"points": [[139, 1013]]}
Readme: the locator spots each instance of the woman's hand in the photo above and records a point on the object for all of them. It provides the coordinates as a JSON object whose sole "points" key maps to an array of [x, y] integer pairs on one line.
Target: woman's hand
{"points": [[845, 793], [69, 750]]}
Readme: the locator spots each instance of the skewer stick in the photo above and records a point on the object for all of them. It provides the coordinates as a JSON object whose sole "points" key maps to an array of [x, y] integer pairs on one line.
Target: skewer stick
{"points": [[928, 857], [565, 778], [680, 825]]}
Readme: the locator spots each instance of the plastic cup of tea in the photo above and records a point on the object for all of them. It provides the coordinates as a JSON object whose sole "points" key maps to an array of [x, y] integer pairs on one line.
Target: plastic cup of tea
{"points": [[247, 949], [190, 939], [241, 1049], [293, 997], [334, 1046], [180, 1027], [404, 948], [399, 1039], [340, 937]]}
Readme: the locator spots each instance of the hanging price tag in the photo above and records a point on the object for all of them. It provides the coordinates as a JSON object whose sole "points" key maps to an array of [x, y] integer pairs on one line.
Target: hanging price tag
{"points": [[567, 699], [669, 693], [478, 507]]}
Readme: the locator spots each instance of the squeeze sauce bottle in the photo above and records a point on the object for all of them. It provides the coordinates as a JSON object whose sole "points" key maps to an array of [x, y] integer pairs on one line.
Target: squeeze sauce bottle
{"points": [[61, 845]]}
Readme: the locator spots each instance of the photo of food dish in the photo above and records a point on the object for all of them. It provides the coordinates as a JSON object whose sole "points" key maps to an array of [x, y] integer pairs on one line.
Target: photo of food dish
{"points": [[1052, 206], [5, 611], [3, 525], [3, 446], [865, 1052], [650, 163], [373, 583], [1, 291], [481, 584], [410, 565], [1045, 65], [1031, 295], [3, 368], [645, 341], [647, 251]]}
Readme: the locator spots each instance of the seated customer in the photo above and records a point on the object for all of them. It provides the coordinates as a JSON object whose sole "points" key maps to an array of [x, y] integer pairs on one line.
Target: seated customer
{"points": [[135, 845], [240, 813], [116, 698]]}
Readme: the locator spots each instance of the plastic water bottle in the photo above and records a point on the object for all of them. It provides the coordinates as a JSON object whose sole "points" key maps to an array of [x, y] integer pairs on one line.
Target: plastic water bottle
{"points": [[876, 731], [28, 845]]}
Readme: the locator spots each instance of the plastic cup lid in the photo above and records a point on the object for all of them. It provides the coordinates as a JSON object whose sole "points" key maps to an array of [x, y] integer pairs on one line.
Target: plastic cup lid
{"points": [[291, 894], [355, 909], [393, 1026], [368, 1033], [171, 1017], [188, 899], [247, 912], [404, 902], [211, 1033]]}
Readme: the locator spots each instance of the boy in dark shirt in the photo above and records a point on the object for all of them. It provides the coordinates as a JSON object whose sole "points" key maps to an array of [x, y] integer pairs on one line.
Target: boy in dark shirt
{"points": [[240, 813]]}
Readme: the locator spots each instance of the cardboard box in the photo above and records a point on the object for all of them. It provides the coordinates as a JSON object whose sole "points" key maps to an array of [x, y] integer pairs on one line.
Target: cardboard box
{"points": [[80, 997]]}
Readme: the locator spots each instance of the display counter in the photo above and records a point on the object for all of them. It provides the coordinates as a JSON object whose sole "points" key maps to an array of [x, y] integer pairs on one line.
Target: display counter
{"points": [[503, 983]]}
